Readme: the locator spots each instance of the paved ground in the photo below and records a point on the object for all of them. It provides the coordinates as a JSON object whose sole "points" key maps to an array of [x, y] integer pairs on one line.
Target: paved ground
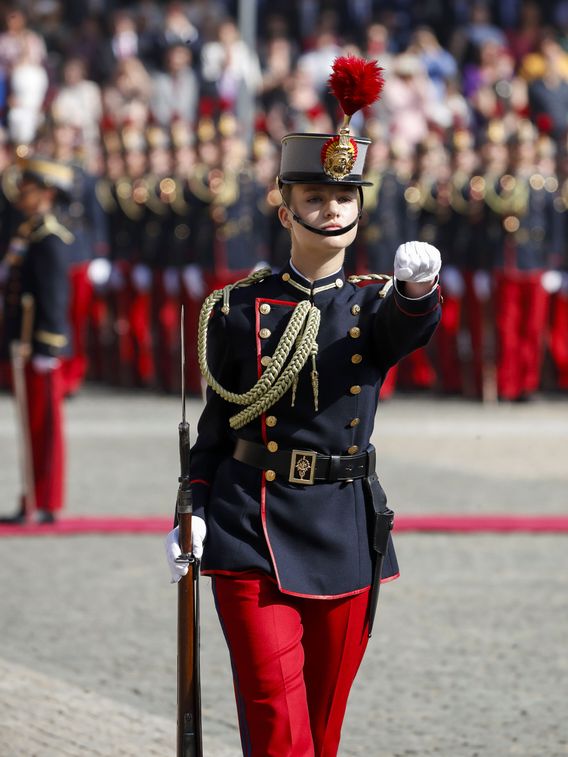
{"points": [[470, 655]]}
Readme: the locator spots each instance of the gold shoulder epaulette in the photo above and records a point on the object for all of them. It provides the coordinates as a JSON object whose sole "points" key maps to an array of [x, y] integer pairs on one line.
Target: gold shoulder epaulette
{"points": [[253, 278], [380, 278], [49, 226], [103, 193], [10, 179]]}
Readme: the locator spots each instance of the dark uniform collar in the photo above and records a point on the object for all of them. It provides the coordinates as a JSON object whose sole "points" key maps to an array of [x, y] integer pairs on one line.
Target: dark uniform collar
{"points": [[326, 286]]}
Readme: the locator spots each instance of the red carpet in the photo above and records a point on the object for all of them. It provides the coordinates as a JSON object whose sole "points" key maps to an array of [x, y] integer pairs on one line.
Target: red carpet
{"points": [[118, 524]]}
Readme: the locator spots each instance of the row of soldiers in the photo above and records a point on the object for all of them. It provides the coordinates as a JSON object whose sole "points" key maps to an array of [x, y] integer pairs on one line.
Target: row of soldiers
{"points": [[167, 216]]}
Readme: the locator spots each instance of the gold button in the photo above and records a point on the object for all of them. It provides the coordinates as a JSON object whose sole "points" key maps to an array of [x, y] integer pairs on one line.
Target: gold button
{"points": [[355, 332], [355, 389], [270, 475], [265, 308], [272, 446], [354, 422], [339, 283], [356, 359], [264, 333], [356, 309], [353, 450], [265, 360], [285, 277], [271, 421]]}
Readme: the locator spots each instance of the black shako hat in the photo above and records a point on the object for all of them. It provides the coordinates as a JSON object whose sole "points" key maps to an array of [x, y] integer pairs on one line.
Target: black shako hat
{"points": [[47, 173], [335, 158], [305, 158]]}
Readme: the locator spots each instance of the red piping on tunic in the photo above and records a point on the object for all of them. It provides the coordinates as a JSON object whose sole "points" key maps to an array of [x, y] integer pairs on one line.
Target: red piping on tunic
{"points": [[241, 573], [418, 315]]}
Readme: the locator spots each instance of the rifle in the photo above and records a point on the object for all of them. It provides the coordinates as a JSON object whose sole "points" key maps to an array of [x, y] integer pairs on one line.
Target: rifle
{"points": [[189, 741], [20, 351]]}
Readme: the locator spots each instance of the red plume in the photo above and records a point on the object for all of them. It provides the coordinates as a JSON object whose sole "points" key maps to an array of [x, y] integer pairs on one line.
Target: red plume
{"points": [[355, 82]]}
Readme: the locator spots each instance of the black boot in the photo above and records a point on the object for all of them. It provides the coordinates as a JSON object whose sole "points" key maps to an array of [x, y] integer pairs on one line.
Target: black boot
{"points": [[44, 517], [18, 519]]}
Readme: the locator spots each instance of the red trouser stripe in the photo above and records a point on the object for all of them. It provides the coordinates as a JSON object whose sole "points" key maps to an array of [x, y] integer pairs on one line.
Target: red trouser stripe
{"points": [[45, 403], [294, 661]]}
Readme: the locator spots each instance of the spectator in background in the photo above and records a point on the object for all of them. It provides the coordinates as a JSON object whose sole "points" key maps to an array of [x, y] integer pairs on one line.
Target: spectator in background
{"points": [[407, 98], [439, 64], [316, 63], [127, 96], [161, 30], [479, 29], [228, 64], [175, 90], [28, 83], [548, 93], [79, 101], [378, 46], [18, 41], [277, 66], [124, 41], [524, 38]]}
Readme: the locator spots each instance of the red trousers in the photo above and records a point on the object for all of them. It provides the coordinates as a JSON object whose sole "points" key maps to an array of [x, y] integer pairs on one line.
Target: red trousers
{"points": [[558, 338], [521, 313], [447, 334], [45, 413], [75, 366], [294, 661]]}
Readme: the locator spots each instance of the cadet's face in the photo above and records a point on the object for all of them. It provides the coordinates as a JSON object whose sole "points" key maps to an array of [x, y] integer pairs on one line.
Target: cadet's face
{"points": [[31, 197], [325, 207]]}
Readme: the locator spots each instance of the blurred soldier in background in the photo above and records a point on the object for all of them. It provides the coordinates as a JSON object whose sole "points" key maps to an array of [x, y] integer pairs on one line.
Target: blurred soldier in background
{"points": [[388, 218], [37, 323], [133, 275], [85, 217], [523, 200]]}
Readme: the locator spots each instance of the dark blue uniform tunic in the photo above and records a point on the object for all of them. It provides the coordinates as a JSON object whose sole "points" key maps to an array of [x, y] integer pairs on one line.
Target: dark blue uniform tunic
{"points": [[314, 539]]}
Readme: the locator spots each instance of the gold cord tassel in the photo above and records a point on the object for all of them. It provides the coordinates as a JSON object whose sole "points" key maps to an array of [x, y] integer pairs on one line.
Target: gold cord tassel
{"points": [[294, 390], [315, 382]]}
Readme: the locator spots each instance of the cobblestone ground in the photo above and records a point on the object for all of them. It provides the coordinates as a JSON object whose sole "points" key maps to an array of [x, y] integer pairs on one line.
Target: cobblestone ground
{"points": [[470, 654]]}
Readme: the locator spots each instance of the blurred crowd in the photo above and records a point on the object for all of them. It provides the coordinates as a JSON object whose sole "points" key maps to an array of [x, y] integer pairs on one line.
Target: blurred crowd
{"points": [[174, 195]]}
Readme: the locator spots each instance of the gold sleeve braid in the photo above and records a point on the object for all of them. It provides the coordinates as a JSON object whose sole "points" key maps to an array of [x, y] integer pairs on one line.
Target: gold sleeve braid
{"points": [[299, 337]]}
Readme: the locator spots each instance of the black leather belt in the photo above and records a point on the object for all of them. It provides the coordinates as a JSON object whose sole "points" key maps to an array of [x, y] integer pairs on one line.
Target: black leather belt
{"points": [[300, 466]]}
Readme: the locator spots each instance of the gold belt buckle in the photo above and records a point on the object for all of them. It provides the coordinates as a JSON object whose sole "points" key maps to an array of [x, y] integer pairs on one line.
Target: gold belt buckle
{"points": [[302, 467]]}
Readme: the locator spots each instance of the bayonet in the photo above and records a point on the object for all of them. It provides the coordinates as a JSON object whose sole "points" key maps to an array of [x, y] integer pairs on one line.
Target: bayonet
{"points": [[189, 737]]}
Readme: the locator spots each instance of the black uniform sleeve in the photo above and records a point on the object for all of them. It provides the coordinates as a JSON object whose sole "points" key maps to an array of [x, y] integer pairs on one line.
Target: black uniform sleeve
{"points": [[49, 261], [402, 325], [214, 438]]}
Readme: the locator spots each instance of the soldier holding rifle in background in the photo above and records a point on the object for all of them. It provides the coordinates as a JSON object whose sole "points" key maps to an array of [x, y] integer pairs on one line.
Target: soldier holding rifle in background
{"points": [[36, 333], [283, 474]]}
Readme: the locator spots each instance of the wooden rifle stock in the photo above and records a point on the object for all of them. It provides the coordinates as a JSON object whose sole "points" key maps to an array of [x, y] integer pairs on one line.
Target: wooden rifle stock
{"points": [[189, 740]]}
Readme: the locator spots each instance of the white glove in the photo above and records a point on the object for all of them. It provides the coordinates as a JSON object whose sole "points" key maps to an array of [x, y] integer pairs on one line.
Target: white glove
{"points": [[98, 271], [141, 278], [482, 285], [417, 262], [173, 550], [452, 281], [193, 280], [45, 363], [551, 281], [171, 281]]}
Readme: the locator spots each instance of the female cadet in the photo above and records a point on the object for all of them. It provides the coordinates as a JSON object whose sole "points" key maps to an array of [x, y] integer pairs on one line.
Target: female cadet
{"points": [[283, 476]]}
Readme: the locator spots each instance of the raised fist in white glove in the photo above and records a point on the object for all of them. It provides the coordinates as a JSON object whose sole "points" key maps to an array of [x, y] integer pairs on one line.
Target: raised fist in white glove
{"points": [[417, 261], [173, 550]]}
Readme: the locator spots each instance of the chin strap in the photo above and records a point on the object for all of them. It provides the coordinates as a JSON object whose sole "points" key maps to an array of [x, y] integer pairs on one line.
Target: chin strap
{"points": [[327, 232]]}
